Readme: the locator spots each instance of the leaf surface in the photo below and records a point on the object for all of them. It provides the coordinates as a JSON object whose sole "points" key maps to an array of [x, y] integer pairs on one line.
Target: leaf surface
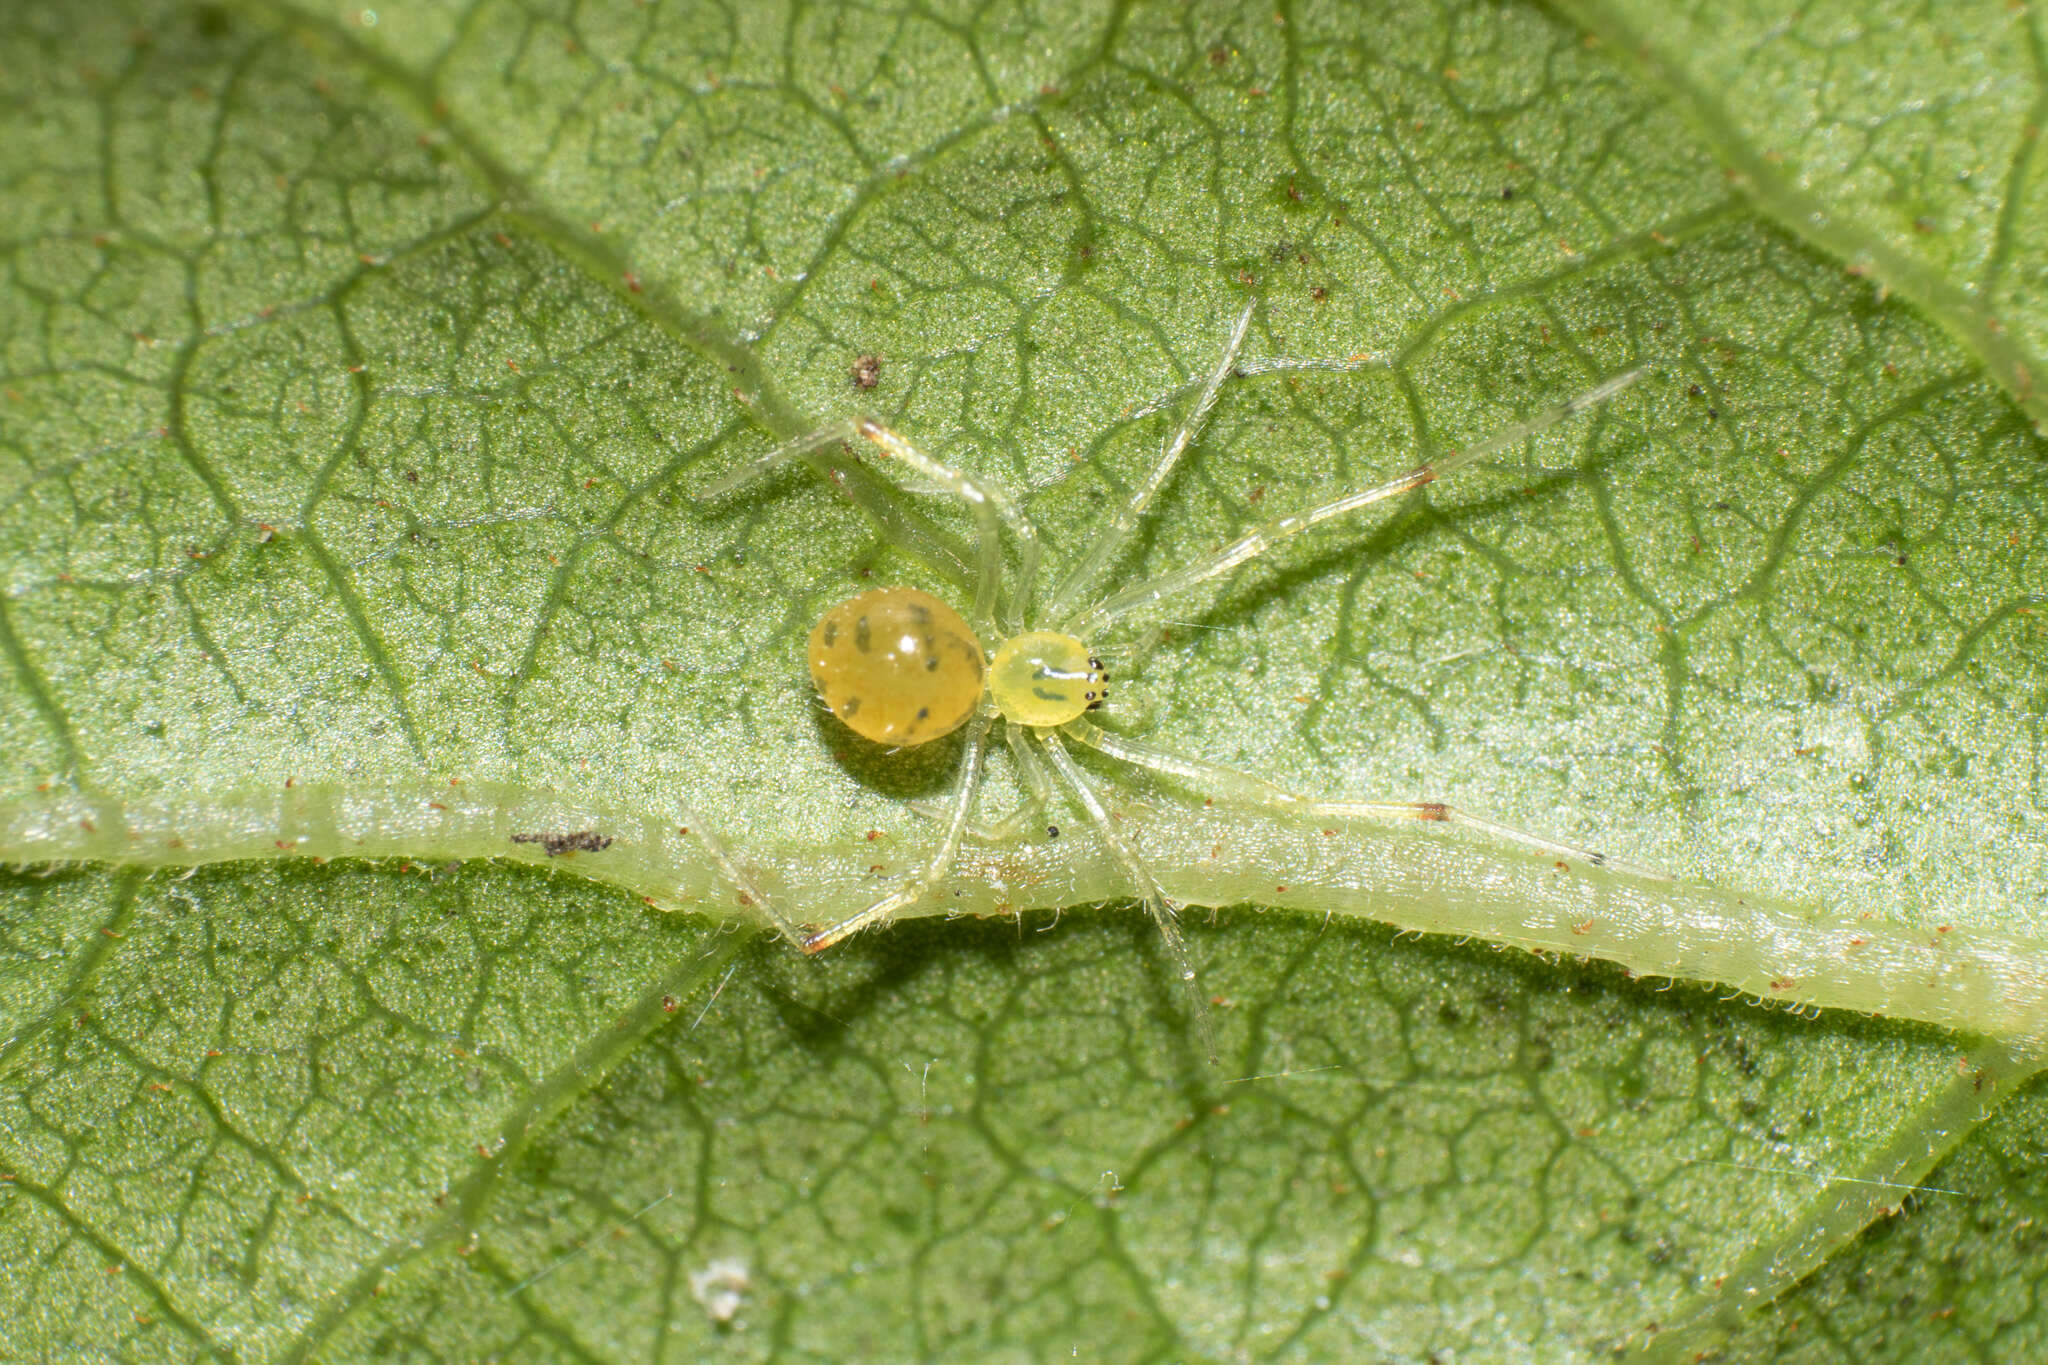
{"points": [[361, 370]]}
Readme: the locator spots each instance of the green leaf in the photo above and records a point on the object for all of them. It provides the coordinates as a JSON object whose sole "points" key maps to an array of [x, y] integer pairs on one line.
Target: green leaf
{"points": [[358, 371]]}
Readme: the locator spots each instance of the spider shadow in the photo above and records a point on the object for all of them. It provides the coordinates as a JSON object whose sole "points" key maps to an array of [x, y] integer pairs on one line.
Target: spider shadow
{"points": [[872, 972], [1543, 1011], [910, 967], [877, 972], [921, 773]]}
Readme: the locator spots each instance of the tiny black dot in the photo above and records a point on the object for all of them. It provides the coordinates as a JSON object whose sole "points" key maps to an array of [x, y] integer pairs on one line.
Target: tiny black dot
{"points": [[931, 663], [1052, 831], [924, 713], [849, 706]]}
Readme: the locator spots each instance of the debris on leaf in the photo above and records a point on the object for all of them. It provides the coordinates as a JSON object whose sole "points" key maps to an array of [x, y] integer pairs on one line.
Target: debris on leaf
{"points": [[578, 841], [722, 1288]]}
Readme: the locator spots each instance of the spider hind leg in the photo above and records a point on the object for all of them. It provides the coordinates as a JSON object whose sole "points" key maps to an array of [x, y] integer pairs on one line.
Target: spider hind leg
{"points": [[934, 871]]}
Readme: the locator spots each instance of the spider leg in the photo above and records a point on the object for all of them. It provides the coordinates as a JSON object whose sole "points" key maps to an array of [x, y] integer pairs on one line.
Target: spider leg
{"points": [[1271, 364], [981, 831], [1037, 787], [1243, 789], [750, 893], [990, 503], [1260, 539], [936, 867], [781, 455], [1116, 532], [1164, 912], [907, 528]]}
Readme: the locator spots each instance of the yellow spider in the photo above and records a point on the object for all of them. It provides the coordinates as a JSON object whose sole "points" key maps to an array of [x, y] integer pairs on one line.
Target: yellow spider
{"points": [[900, 667]]}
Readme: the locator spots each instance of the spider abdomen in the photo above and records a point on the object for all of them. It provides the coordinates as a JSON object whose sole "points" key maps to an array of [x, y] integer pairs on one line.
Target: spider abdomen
{"points": [[898, 666], [1042, 678]]}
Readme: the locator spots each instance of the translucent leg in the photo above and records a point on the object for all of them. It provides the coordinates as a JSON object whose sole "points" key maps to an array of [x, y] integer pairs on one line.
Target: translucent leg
{"points": [[1256, 542], [988, 502], [981, 831], [1164, 912], [1241, 788], [1038, 791], [750, 893], [1116, 532], [1271, 364], [934, 870], [910, 530], [1031, 770], [776, 458]]}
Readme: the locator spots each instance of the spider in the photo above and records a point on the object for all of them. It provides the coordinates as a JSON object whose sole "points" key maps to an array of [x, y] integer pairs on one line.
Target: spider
{"points": [[903, 668]]}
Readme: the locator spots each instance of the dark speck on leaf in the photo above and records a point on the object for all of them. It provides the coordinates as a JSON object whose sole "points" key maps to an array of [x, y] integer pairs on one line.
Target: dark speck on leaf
{"points": [[867, 372], [577, 841]]}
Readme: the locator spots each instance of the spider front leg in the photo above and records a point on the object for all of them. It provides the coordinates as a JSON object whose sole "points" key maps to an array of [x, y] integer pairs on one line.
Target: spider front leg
{"points": [[836, 433], [1122, 523], [1260, 539], [990, 503], [903, 526]]}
